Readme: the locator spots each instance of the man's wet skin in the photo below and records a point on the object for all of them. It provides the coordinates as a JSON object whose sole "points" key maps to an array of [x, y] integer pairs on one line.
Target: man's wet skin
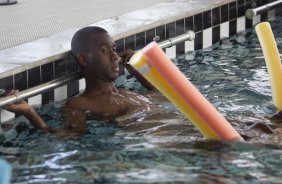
{"points": [[101, 99], [95, 53], [136, 113], [107, 106]]}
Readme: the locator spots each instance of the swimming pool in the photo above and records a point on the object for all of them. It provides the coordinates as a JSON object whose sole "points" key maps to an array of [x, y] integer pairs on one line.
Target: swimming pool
{"points": [[231, 74]]}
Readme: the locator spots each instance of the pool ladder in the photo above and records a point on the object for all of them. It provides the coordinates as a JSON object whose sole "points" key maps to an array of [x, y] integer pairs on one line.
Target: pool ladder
{"points": [[251, 13], [189, 35]]}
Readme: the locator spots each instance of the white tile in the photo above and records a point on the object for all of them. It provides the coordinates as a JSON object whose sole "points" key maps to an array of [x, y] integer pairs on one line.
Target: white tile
{"points": [[82, 84], [189, 55], [189, 46], [271, 14], [171, 52], [60, 93], [207, 38], [6, 115], [224, 30], [256, 19], [35, 100], [241, 24]]}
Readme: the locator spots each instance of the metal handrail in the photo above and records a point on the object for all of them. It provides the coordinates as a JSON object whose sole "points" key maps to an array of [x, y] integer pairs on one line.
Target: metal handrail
{"points": [[250, 13], [40, 88], [190, 35]]}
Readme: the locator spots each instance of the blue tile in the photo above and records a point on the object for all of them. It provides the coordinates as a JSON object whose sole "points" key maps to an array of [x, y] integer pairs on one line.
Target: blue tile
{"points": [[21, 80], [215, 16], [198, 22], [34, 77], [189, 23], [150, 35], [47, 72], [249, 23], [72, 88], [207, 19], [120, 45], [140, 40], [72, 65], [47, 96], [263, 16], [7, 83], [180, 49], [232, 11], [198, 42], [170, 30], [160, 31], [215, 34], [180, 29], [60, 68], [233, 27], [241, 7], [129, 42], [224, 13]]}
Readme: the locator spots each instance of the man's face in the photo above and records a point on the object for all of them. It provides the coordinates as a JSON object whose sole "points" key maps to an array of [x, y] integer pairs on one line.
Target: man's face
{"points": [[102, 57]]}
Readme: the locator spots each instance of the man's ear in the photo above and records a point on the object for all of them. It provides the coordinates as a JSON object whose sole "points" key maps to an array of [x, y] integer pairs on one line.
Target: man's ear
{"points": [[81, 60]]}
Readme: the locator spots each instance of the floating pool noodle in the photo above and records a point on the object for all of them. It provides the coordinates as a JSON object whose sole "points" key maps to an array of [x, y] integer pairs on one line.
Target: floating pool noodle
{"points": [[157, 59], [139, 62], [272, 60]]}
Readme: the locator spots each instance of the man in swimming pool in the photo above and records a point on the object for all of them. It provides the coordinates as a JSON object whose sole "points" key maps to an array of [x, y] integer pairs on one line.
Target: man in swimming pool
{"points": [[95, 53]]}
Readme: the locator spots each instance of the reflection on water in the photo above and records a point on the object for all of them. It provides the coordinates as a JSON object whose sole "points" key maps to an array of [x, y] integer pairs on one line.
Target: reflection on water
{"points": [[161, 146]]}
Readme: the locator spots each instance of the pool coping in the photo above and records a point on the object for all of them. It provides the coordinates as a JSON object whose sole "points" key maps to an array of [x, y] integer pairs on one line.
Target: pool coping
{"points": [[23, 57]]}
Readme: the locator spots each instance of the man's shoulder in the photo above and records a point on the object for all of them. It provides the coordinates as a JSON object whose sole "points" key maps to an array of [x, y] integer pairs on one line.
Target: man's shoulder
{"points": [[75, 102], [125, 91]]}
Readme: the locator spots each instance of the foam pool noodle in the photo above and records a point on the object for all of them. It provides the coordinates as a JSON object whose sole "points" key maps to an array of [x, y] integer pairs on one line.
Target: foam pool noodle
{"points": [[272, 60], [139, 62], [149, 67]]}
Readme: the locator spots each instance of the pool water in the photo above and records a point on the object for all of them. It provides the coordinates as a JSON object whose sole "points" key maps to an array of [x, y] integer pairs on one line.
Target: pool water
{"points": [[164, 148]]}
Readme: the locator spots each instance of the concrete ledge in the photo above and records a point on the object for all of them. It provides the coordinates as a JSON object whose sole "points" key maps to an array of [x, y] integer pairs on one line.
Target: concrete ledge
{"points": [[23, 57]]}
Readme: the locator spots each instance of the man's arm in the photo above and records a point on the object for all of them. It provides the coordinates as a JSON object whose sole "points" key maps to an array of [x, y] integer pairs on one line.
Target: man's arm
{"points": [[126, 55], [75, 118], [23, 108]]}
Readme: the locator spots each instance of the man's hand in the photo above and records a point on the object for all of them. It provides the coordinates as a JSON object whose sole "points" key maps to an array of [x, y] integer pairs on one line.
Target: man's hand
{"points": [[20, 107], [125, 56]]}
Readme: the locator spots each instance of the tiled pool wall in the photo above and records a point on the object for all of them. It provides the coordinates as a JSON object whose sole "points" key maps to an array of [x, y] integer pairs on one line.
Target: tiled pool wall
{"points": [[210, 26]]}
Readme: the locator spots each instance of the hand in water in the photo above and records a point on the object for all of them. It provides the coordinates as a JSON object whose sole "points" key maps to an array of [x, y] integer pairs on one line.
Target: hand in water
{"points": [[125, 56], [20, 107]]}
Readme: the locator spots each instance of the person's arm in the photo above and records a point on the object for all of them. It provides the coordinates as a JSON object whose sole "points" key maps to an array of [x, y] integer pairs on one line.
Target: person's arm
{"points": [[125, 56], [75, 119], [23, 108]]}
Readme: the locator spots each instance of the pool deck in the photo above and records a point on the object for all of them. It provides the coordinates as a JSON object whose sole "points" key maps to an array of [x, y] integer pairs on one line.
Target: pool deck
{"points": [[30, 20], [53, 26]]}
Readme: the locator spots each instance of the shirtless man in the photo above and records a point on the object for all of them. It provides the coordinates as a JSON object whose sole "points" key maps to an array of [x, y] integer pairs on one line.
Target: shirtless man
{"points": [[95, 52]]}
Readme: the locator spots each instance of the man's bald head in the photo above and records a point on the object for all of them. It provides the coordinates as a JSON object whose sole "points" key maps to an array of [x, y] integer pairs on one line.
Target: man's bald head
{"points": [[80, 42]]}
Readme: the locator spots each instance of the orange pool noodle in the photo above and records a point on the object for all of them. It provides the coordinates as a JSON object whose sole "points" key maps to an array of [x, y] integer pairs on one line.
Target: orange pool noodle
{"points": [[140, 63], [188, 92]]}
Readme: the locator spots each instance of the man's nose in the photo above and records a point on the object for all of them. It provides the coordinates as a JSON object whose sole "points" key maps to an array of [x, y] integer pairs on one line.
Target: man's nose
{"points": [[114, 56]]}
